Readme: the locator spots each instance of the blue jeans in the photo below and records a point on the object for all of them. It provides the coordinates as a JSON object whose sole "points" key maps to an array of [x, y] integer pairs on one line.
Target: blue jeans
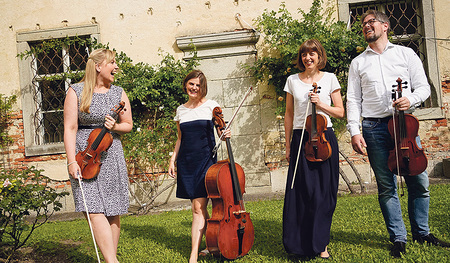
{"points": [[379, 142]]}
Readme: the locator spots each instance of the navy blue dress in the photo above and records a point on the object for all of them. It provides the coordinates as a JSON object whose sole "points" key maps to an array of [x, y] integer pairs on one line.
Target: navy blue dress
{"points": [[195, 153], [309, 206]]}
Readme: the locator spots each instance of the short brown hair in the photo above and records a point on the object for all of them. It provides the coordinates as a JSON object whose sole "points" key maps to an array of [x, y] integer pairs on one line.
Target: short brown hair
{"points": [[380, 16], [203, 83], [308, 46]]}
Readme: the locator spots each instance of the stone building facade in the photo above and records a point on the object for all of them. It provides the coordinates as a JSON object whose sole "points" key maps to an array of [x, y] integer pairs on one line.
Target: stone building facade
{"points": [[225, 39]]}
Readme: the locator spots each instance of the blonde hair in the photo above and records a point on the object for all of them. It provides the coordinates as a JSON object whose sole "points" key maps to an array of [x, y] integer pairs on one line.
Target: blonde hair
{"points": [[96, 57]]}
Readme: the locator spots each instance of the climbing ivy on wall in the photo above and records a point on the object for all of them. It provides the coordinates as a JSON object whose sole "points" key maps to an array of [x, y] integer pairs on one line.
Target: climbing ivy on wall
{"points": [[6, 104]]}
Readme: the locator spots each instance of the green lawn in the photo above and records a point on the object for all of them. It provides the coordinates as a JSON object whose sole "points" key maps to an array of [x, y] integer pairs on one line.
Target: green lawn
{"points": [[358, 234]]}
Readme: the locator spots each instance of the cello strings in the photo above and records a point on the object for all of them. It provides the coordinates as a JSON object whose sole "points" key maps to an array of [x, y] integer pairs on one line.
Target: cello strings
{"points": [[87, 215], [300, 145]]}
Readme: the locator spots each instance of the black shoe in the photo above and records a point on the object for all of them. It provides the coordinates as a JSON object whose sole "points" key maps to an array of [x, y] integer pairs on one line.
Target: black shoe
{"points": [[431, 240], [397, 249]]}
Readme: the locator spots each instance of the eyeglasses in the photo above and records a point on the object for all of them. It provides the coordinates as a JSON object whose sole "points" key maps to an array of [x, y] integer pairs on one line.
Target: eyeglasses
{"points": [[370, 22]]}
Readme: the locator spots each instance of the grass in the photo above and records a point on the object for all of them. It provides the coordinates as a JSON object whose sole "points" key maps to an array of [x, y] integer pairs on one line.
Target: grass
{"points": [[358, 234]]}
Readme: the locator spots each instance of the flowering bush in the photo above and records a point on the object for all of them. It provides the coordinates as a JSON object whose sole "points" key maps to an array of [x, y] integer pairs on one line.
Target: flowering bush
{"points": [[24, 193]]}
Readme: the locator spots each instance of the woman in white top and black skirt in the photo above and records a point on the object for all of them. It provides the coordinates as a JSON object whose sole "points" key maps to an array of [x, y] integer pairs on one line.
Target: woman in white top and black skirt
{"points": [[309, 205], [193, 153]]}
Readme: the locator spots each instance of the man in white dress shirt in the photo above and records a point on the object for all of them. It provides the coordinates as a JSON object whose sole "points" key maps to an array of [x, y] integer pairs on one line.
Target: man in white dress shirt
{"points": [[369, 95]]}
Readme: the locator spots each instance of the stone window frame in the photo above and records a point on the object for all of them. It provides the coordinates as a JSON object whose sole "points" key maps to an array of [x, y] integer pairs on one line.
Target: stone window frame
{"points": [[431, 59], [32, 148]]}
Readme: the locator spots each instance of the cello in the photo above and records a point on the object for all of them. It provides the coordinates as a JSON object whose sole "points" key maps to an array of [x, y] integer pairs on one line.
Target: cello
{"points": [[99, 141], [317, 148], [406, 158], [230, 231]]}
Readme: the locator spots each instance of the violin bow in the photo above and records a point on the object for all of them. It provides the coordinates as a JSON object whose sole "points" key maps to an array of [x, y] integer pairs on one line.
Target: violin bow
{"points": [[216, 148], [301, 141], [87, 215], [394, 97]]}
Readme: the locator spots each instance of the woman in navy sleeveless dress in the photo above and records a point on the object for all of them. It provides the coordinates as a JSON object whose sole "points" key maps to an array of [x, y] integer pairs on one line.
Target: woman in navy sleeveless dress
{"points": [[310, 203], [193, 152], [87, 106]]}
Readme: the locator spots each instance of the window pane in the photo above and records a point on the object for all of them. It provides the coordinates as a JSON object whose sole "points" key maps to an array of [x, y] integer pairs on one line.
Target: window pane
{"points": [[78, 57], [358, 10], [49, 62], [52, 94], [53, 126], [403, 18]]}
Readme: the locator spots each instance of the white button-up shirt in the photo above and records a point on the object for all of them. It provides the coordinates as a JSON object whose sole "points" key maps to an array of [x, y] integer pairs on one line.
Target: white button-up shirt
{"points": [[370, 80]]}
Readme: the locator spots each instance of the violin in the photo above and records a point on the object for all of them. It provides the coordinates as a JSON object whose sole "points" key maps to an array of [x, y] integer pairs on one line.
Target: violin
{"points": [[99, 141], [317, 148], [230, 230], [406, 158]]}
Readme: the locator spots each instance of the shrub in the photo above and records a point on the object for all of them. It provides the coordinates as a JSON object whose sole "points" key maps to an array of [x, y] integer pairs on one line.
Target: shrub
{"points": [[24, 193], [5, 112]]}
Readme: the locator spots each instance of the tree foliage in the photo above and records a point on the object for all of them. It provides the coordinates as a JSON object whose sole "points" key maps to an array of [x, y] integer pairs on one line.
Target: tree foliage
{"points": [[154, 92]]}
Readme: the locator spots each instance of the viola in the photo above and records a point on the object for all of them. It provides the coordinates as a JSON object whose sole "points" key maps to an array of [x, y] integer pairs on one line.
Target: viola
{"points": [[406, 158], [99, 141], [230, 230], [317, 148]]}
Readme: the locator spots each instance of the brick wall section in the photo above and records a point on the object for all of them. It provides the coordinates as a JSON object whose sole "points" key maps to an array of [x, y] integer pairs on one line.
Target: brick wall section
{"points": [[13, 156]]}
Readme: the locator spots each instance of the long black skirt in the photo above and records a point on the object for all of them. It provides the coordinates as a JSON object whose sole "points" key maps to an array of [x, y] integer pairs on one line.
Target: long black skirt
{"points": [[310, 204]]}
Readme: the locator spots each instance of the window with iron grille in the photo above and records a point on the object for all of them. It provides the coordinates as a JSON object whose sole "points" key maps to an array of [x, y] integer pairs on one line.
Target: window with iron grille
{"points": [[411, 26], [50, 82], [45, 77]]}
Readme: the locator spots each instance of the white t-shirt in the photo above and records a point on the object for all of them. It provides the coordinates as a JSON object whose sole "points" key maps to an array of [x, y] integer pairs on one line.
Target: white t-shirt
{"points": [[202, 112], [300, 91]]}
